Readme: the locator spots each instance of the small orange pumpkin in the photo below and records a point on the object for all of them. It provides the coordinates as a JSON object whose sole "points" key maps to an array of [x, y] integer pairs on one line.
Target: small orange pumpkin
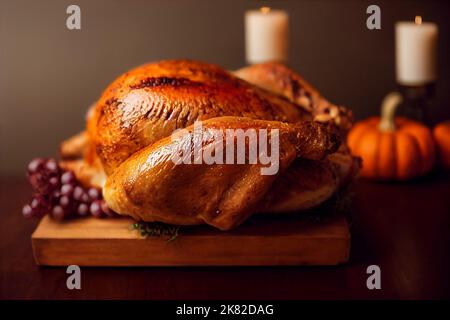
{"points": [[392, 148], [441, 134]]}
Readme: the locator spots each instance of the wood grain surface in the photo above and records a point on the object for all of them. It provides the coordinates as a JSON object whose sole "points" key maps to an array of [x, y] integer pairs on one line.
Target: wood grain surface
{"points": [[403, 228], [263, 241]]}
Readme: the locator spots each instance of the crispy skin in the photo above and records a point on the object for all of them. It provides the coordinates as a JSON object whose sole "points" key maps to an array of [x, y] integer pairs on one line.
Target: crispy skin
{"points": [[277, 78], [305, 184], [150, 102], [295, 195], [150, 186], [128, 143]]}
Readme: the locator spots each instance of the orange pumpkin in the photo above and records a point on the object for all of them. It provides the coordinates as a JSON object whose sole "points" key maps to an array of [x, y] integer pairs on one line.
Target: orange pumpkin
{"points": [[392, 148], [441, 134]]}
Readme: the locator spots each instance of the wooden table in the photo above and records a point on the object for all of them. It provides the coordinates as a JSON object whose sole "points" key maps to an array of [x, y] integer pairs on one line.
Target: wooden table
{"points": [[403, 228]]}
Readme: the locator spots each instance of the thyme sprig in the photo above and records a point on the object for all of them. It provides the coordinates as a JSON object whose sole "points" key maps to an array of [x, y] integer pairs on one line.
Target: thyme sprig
{"points": [[156, 229]]}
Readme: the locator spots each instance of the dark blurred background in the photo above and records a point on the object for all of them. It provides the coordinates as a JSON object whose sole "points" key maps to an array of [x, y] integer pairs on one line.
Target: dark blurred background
{"points": [[49, 75]]}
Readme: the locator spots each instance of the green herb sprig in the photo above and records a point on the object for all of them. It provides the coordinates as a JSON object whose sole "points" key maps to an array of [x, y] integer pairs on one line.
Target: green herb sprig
{"points": [[156, 229]]}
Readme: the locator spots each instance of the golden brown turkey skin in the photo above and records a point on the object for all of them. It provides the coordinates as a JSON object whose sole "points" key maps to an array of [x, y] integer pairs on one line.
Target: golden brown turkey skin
{"points": [[151, 101], [128, 139], [279, 79], [304, 185], [149, 185]]}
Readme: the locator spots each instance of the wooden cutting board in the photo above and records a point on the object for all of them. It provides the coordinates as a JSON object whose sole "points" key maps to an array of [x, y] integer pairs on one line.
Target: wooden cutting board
{"points": [[261, 241]]}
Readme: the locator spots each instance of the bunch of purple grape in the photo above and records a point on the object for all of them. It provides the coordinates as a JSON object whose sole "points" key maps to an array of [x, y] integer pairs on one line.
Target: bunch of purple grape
{"points": [[58, 193]]}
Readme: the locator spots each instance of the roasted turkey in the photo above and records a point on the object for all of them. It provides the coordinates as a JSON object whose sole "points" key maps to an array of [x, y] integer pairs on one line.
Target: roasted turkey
{"points": [[129, 144]]}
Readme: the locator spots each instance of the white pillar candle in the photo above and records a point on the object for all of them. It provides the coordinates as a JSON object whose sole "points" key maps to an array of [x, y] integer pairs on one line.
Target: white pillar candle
{"points": [[416, 52], [266, 35]]}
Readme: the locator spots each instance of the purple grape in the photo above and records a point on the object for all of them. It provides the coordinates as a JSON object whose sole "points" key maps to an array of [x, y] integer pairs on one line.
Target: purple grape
{"points": [[35, 165], [96, 209], [65, 202], [55, 195], [81, 195], [85, 198], [83, 209], [67, 189], [68, 177], [37, 202], [94, 193], [53, 183], [27, 211], [78, 193], [40, 205], [43, 175], [39, 182], [52, 167], [57, 191], [58, 213]]}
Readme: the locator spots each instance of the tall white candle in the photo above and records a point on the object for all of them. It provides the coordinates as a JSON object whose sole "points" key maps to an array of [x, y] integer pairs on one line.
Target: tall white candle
{"points": [[416, 52], [266, 35]]}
